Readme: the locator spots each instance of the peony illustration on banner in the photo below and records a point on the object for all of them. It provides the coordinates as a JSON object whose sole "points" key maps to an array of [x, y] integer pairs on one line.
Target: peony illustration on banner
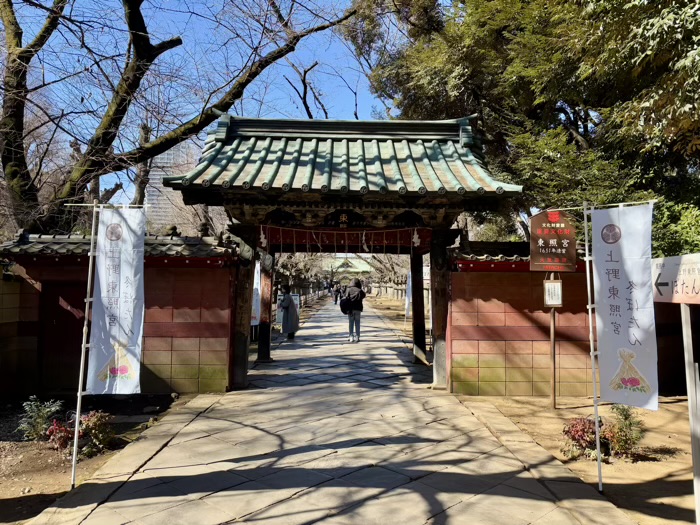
{"points": [[628, 377]]}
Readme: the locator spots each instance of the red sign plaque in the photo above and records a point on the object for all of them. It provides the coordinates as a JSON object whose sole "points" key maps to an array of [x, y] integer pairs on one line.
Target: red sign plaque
{"points": [[552, 242]]}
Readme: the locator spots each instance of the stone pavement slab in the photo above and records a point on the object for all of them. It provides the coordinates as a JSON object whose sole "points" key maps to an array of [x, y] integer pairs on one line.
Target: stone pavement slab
{"points": [[341, 434]]}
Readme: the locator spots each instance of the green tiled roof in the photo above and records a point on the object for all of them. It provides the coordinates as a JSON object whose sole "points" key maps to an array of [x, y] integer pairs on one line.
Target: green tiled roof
{"points": [[154, 246], [343, 157], [351, 264]]}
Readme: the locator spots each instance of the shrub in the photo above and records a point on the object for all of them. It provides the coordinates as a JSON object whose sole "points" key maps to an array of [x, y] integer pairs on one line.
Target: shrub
{"points": [[37, 417], [617, 438], [59, 435], [96, 426], [580, 432], [626, 431]]}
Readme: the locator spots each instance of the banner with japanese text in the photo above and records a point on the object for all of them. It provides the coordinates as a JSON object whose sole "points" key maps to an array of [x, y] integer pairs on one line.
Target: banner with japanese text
{"points": [[118, 305], [624, 302]]}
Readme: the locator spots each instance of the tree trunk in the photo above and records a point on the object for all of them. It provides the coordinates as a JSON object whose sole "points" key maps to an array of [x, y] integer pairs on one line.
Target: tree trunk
{"points": [[143, 171], [23, 193]]}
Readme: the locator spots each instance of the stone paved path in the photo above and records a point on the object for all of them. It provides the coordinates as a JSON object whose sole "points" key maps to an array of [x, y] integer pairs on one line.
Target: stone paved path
{"points": [[340, 434]]}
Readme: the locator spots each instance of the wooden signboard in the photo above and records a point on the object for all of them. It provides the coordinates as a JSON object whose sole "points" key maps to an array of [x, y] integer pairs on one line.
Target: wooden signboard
{"points": [[552, 242]]}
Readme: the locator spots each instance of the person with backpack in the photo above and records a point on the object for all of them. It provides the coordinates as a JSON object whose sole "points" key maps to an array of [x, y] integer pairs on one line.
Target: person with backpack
{"points": [[355, 294], [290, 316]]}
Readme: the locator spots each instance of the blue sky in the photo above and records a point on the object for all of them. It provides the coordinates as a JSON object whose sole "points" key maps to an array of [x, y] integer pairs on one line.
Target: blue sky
{"points": [[216, 38], [280, 101]]}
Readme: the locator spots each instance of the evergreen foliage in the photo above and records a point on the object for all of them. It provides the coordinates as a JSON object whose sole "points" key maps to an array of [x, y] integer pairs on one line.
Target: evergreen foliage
{"points": [[36, 418], [592, 100]]}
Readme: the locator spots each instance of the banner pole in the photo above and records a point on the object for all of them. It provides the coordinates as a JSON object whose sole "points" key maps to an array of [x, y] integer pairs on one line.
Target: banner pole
{"points": [[589, 261], [553, 355], [691, 381], [88, 301]]}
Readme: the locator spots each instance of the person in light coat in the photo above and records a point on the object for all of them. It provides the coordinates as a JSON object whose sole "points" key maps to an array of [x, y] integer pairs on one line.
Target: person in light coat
{"points": [[290, 316]]}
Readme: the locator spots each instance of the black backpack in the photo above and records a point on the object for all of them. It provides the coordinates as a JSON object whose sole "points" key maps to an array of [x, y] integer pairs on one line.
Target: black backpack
{"points": [[345, 305]]}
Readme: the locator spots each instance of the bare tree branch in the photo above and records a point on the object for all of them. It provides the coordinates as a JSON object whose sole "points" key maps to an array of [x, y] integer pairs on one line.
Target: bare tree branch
{"points": [[46, 150], [13, 31], [303, 95], [99, 91], [107, 195], [49, 27], [211, 113]]}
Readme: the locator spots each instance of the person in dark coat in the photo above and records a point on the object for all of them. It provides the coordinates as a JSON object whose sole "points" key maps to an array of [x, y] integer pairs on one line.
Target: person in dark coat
{"points": [[336, 293], [356, 294], [290, 316]]}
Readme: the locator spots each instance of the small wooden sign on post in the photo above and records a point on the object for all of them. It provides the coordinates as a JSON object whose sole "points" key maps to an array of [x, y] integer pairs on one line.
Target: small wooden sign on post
{"points": [[552, 249], [553, 293]]}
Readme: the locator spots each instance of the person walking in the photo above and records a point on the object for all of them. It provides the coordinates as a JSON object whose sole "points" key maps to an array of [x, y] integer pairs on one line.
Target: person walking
{"points": [[336, 293], [356, 294], [290, 316]]}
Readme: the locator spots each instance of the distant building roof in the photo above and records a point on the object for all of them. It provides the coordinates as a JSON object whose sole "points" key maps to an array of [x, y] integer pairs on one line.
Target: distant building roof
{"points": [[351, 264]]}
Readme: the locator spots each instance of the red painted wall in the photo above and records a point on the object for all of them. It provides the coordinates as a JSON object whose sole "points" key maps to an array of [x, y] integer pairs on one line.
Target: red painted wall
{"points": [[499, 335], [186, 331]]}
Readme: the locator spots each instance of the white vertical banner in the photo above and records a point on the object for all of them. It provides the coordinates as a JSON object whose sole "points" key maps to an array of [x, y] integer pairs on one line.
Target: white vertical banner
{"points": [[255, 315], [624, 302], [409, 295], [118, 303]]}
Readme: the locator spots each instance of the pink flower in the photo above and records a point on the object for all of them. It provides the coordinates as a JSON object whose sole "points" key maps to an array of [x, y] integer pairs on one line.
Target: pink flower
{"points": [[114, 371], [624, 381], [123, 370], [633, 381]]}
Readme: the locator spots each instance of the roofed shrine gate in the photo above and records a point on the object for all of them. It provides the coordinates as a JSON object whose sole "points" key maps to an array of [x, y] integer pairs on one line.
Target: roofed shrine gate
{"points": [[342, 186]]}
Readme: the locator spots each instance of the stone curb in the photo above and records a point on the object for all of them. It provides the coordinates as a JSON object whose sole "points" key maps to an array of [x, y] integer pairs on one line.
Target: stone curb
{"points": [[581, 500], [77, 505]]}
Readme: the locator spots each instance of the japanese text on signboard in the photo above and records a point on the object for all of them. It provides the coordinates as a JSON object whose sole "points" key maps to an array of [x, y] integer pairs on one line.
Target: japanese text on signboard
{"points": [[552, 242]]}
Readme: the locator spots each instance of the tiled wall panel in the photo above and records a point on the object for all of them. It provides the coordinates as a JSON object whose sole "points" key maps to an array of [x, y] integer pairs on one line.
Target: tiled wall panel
{"points": [[500, 336]]}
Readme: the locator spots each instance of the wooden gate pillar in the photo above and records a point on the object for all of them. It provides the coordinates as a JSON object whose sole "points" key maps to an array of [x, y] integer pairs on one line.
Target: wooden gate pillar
{"points": [[243, 299], [267, 278], [439, 299], [418, 309]]}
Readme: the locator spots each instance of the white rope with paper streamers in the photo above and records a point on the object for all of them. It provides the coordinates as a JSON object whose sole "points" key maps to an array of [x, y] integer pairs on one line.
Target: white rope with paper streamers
{"points": [[320, 248], [263, 239], [320, 237]]}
